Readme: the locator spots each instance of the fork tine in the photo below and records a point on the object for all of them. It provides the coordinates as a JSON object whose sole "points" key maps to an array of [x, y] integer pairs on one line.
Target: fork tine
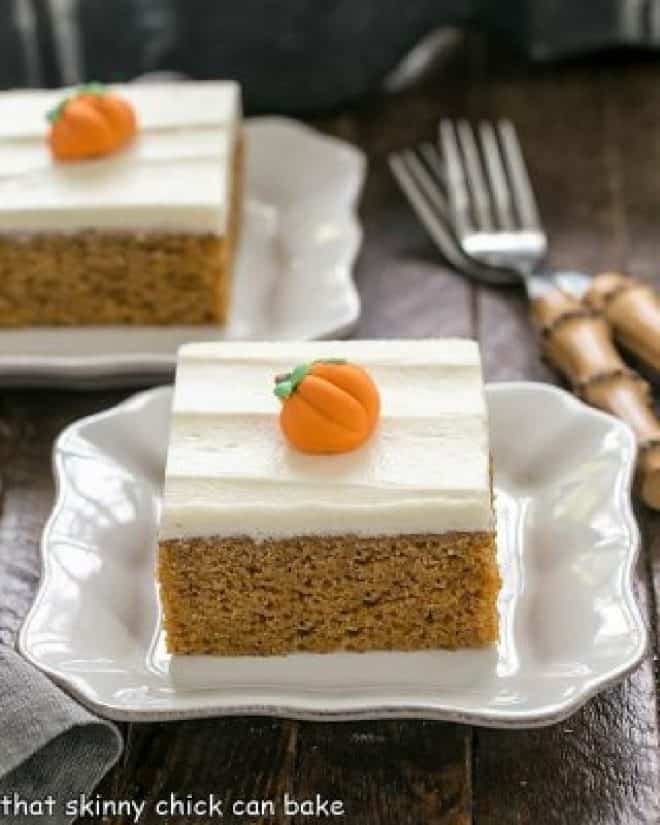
{"points": [[475, 176], [496, 175], [459, 198], [523, 194], [433, 160], [428, 186], [400, 164], [423, 195]]}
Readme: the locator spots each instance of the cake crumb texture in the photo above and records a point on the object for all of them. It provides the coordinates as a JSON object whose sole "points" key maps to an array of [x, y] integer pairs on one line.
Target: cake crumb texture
{"points": [[90, 277], [233, 596]]}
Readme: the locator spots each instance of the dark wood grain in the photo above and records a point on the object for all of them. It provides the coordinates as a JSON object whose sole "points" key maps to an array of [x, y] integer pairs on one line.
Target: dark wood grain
{"points": [[407, 773], [592, 138]]}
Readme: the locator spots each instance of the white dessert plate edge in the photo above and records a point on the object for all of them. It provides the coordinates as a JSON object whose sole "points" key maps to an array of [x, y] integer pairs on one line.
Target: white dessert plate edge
{"points": [[609, 565]]}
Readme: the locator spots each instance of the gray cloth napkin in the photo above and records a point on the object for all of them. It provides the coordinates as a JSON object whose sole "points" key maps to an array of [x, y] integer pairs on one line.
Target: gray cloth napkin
{"points": [[49, 744]]}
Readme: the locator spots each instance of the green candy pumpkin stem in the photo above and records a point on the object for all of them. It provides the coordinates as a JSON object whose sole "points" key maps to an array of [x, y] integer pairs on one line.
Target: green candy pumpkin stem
{"points": [[287, 383], [87, 89]]}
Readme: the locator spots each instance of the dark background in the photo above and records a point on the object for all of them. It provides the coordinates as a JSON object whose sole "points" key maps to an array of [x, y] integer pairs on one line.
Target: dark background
{"points": [[294, 55]]}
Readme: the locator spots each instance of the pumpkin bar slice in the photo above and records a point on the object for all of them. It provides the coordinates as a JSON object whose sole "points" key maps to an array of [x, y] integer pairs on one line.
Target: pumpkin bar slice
{"points": [[124, 209], [349, 510]]}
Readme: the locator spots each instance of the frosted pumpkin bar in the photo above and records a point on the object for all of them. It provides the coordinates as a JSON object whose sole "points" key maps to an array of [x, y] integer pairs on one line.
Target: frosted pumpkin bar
{"points": [[124, 209], [351, 509]]}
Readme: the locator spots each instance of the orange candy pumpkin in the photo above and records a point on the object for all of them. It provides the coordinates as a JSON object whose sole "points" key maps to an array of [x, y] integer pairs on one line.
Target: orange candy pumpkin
{"points": [[91, 123], [328, 406]]}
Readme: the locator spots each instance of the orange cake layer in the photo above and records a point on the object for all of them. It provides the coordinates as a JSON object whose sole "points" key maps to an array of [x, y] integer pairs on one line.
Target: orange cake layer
{"points": [[106, 277], [234, 596]]}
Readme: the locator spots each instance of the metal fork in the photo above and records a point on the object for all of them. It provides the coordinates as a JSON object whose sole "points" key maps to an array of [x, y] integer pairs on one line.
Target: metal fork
{"points": [[478, 205], [481, 195], [421, 176], [492, 203], [473, 193]]}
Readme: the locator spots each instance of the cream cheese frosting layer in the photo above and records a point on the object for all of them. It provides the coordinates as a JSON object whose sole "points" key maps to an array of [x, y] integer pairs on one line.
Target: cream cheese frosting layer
{"points": [[175, 176], [230, 471]]}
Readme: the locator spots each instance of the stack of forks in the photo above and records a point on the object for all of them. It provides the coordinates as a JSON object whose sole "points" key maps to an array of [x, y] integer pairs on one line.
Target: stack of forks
{"points": [[472, 192]]}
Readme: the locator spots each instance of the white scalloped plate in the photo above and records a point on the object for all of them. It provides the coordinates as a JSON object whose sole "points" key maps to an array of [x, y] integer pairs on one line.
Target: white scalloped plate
{"points": [[293, 277], [567, 539]]}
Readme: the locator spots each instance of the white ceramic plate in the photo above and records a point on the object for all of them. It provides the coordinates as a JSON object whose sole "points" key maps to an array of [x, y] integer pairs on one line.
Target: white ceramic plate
{"points": [[293, 277], [567, 546]]}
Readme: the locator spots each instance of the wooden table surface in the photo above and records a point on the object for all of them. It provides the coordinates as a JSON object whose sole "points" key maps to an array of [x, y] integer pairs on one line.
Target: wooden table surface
{"points": [[592, 138]]}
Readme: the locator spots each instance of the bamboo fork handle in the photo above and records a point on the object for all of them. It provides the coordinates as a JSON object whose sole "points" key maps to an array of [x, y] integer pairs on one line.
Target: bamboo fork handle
{"points": [[632, 309], [577, 341]]}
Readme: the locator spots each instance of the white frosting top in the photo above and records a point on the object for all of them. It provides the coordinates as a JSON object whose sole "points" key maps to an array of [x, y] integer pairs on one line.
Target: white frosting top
{"points": [[231, 472], [174, 176]]}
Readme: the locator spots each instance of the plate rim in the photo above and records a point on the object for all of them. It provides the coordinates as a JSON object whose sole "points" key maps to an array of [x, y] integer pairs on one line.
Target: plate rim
{"points": [[366, 710], [128, 369]]}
